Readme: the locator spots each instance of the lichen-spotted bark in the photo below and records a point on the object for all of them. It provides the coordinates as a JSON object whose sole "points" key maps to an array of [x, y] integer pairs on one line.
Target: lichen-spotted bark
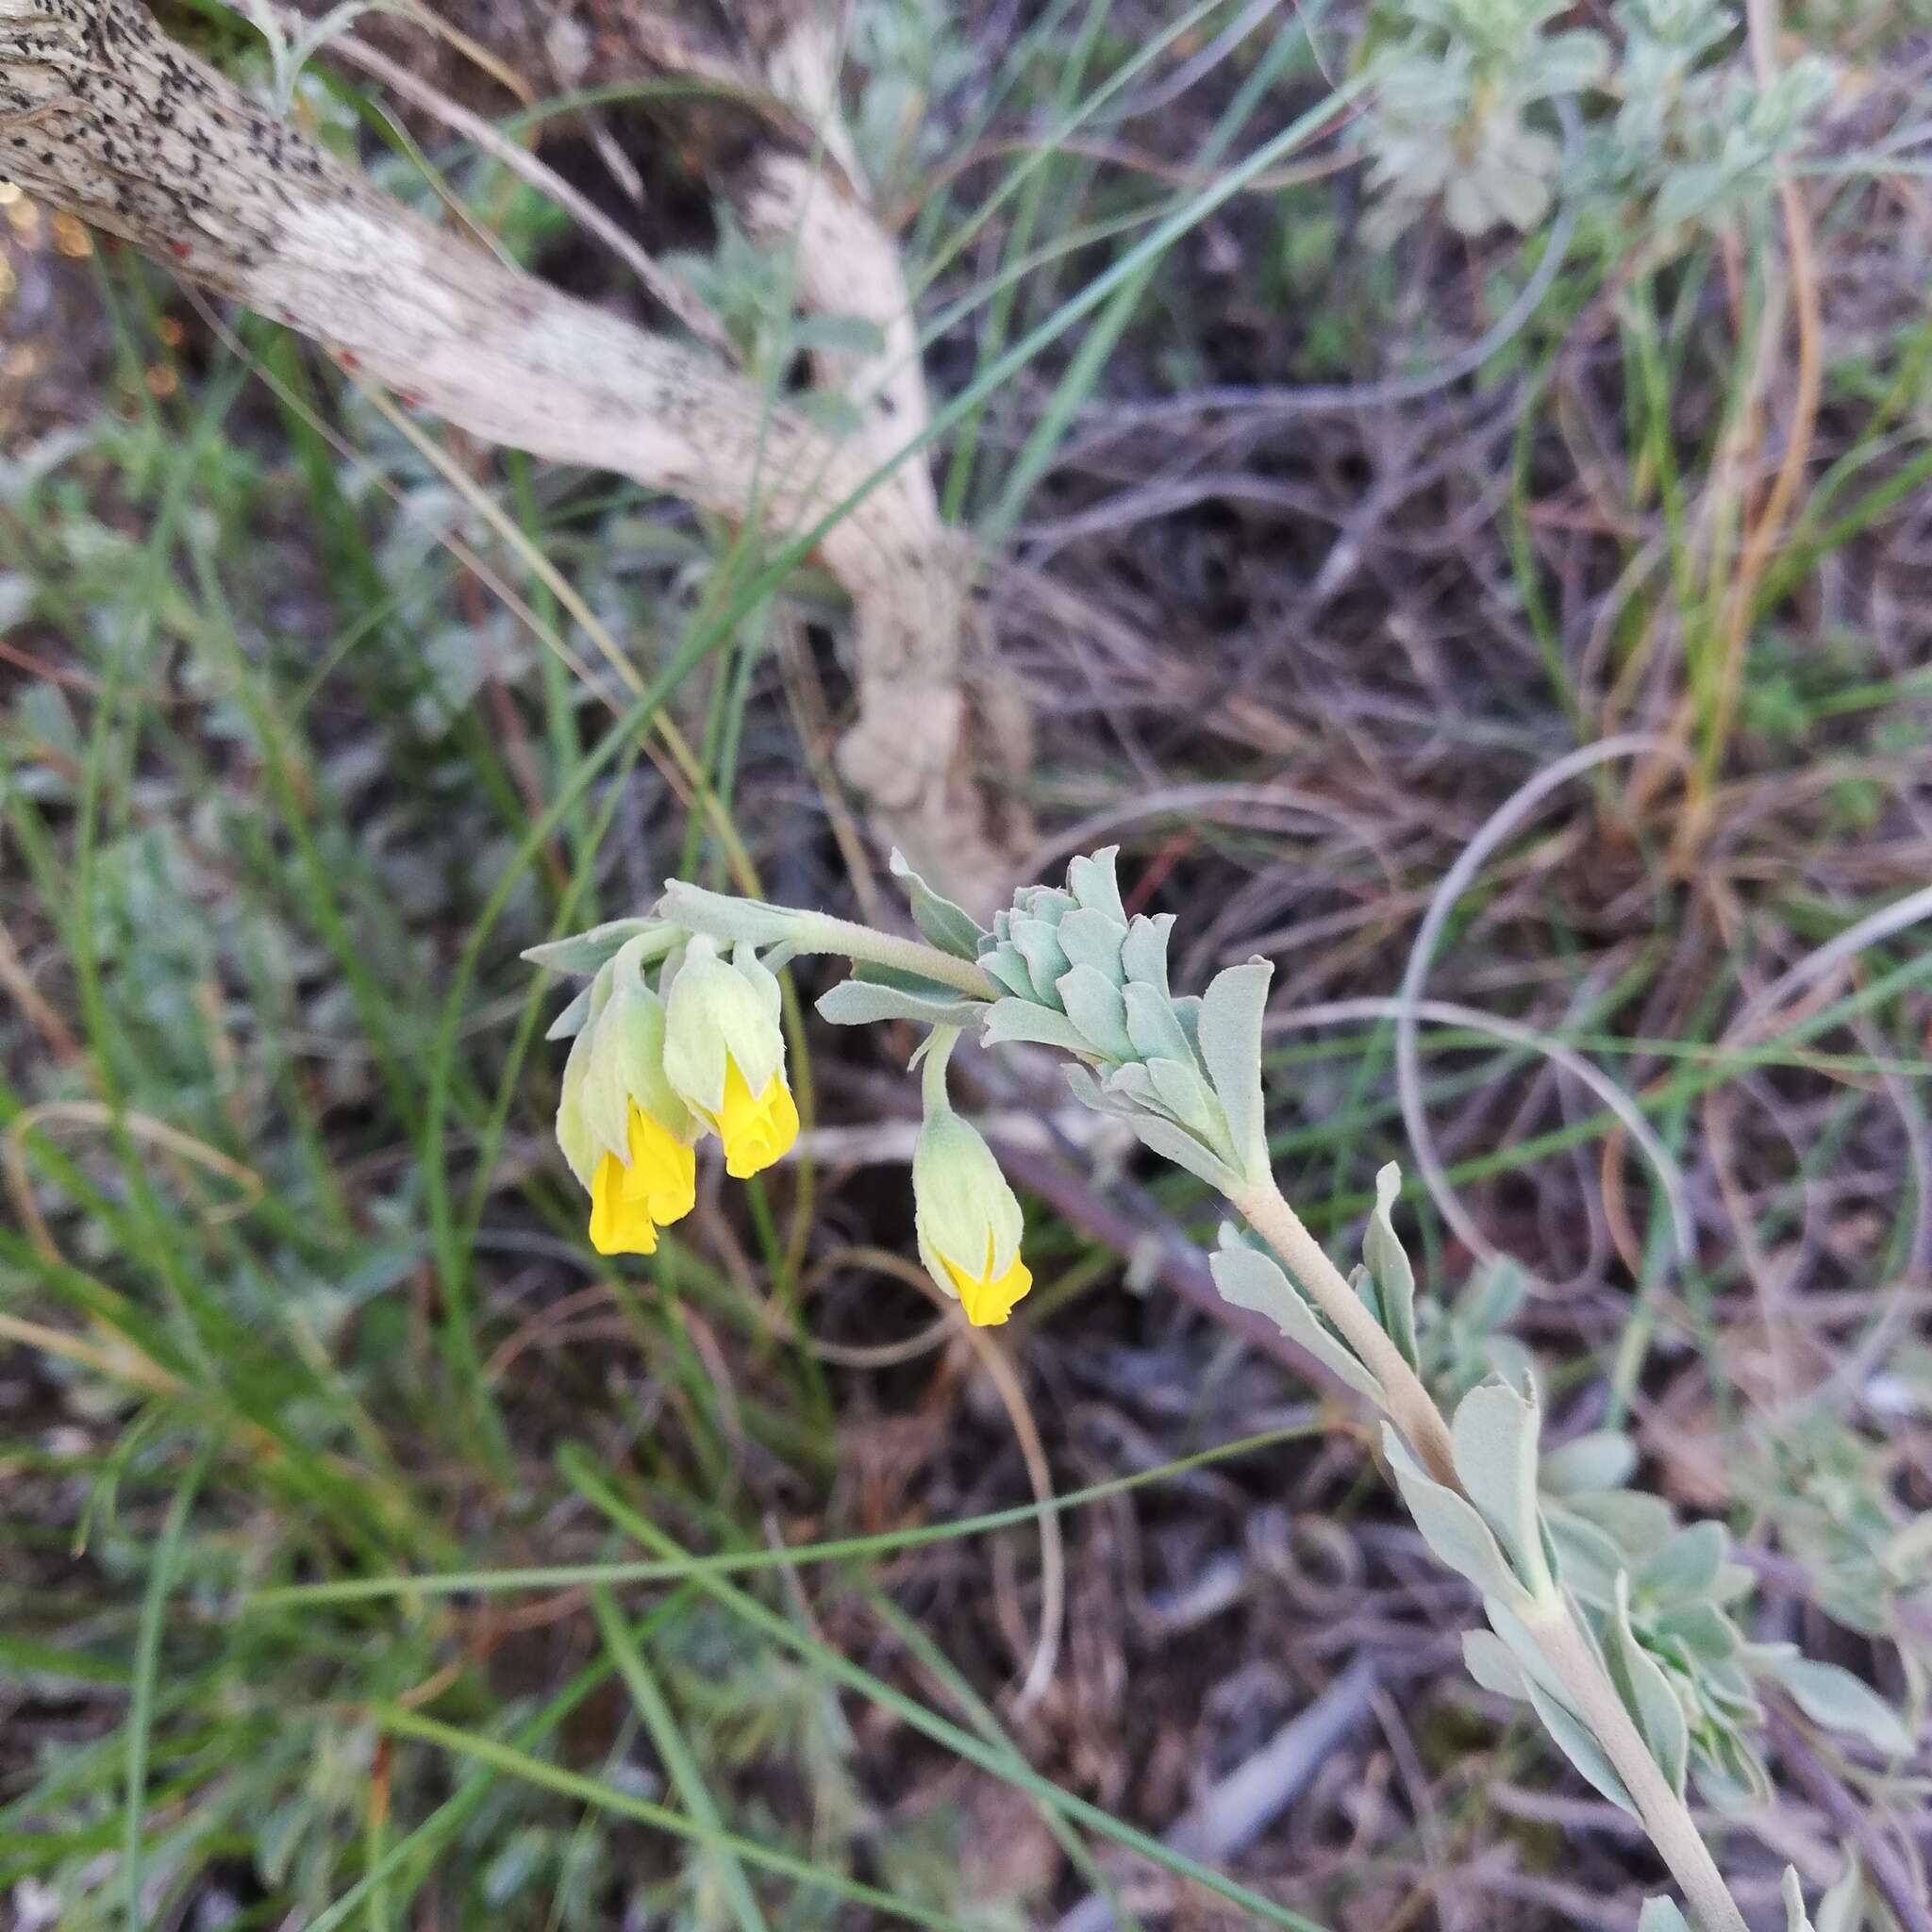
{"points": [[102, 115]]}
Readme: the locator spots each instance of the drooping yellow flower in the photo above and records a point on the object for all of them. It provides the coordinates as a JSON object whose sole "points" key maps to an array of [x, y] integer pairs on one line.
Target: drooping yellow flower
{"points": [[967, 1218], [724, 1055], [624, 1130], [630, 1200], [756, 1130], [989, 1298]]}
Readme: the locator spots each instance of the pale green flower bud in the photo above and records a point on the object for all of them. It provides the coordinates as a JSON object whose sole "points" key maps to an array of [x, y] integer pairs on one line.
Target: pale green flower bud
{"points": [[616, 1063], [725, 1053], [968, 1219]]}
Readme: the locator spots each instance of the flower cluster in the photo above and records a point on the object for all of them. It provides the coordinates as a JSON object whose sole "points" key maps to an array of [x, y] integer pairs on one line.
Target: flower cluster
{"points": [[654, 1069]]}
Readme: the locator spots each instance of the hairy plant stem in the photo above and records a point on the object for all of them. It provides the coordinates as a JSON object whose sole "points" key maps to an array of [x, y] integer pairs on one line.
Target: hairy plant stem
{"points": [[819, 932], [1411, 1408], [1561, 1637]]}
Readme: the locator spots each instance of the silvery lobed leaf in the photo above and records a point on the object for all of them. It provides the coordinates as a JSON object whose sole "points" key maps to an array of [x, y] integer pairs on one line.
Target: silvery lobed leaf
{"points": [[1144, 952], [724, 917], [1090, 1091], [1662, 1915], [1640, 1525], [1007, 966], [584, 952], [1588, 1560], [1152, 1025], [1017, 1019], [1577, 1743], [950, 927], [1455, 1532], [1388, 1263], [1841, 1701], [1491, 1664], [1043, 902], [1647, 1692], [1176, 1144], [1251, 1280], [1091, 939], [1687, 1566], [1230, 1043], [1494, 1437], [1183, 1092], [865, 1002], [1093, 1004], [1603, 1460], [1702, 1629], [1038, 944], [1092, 882]]}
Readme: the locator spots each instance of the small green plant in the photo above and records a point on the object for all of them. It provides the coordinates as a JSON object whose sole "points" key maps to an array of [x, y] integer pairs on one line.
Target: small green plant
{"points": [[1606, 1616], [1462, 113]]}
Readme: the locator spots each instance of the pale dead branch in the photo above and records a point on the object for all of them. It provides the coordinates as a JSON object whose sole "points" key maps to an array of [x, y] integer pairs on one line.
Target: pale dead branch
{"points": [[102, 116]]}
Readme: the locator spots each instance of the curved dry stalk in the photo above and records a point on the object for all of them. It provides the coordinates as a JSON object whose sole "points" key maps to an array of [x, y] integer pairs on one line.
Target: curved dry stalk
{"points": [[103, 117]]}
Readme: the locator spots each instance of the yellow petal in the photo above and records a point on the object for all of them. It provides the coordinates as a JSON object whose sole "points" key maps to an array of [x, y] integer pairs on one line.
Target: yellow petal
{"points": [[619, 1226], [987, 1302], [631, 1200], [756, 1131], [663, 1171]]}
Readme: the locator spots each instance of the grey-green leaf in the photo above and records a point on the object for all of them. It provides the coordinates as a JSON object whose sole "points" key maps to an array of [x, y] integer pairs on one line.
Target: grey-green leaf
{"points": [[1251, 1280], [1230, 1038], [1007, 966], [724, 917], [1094, 1004], [1183, 1092], [1646, 1691], [1573, 1739], [1102, 1098], [1492, 1666], [950, 927], [1038, 944], [1091, 939], [584, 952], [1662, 1915], [1495, 1441], [1604, 1460], [1451, 1527], [1091, 882], [864, 1003], [1841, 1701], [1007, 1021], [1144, 952], [570, 1023], [1176, 1144], [1388, 1263], [1640, 1525], [1687, 1566], [1152, 1025]]}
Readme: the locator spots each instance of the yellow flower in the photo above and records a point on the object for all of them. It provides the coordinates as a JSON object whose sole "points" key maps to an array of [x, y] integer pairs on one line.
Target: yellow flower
{"points": [[625, 1132], [967, 1218], [987, 1298], [630, 1200], [724, 1055], [756, 1132]]}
